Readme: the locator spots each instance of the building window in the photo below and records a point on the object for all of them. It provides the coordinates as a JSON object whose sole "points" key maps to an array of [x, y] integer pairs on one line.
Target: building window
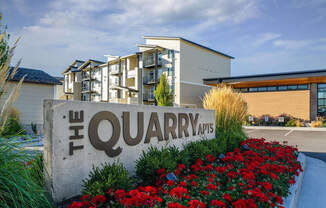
{"points": [[321, 103], [275, 88]]}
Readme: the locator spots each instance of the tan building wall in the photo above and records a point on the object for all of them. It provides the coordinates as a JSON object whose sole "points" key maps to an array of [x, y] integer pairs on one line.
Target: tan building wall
{"points": [[294, 103]]}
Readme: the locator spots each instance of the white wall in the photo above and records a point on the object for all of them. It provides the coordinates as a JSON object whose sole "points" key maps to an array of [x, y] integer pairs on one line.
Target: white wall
{"points": [[30, 101]]}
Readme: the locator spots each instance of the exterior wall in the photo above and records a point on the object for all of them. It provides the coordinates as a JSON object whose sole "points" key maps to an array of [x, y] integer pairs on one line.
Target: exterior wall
{"points": [[59, 93], [294, 103], [313, 101], [198, 63], [30, 102]]}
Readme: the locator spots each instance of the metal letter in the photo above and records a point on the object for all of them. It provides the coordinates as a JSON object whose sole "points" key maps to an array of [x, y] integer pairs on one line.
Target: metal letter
{"points": [[157, 132], [77, 118], [194, 122], [76, 132], [72, 148], [95, 139], [183, 127], [170, 129], [126, 128]]}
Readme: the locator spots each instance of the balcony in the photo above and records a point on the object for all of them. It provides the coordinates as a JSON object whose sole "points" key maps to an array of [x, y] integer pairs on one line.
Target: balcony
{"points": [[86, 77], [148, 97], [149, 61], [149, 80], [132, 73]]}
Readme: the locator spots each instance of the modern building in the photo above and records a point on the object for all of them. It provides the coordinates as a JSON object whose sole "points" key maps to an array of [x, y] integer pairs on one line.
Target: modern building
{"points": [[300, 94], [37, 86], [133, 78]]}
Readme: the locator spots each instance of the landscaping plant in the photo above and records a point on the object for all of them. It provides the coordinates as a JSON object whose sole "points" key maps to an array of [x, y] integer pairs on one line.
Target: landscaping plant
{"points": [[231, 111], [258, 174], [107, 175], [163, 93], [18, 187]]}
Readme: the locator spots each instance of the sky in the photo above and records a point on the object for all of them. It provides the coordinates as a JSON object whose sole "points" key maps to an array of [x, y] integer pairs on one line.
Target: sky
{"points": [[263, 36]]}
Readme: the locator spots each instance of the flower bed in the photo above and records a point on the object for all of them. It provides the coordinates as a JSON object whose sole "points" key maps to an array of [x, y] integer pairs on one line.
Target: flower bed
{"points": [[258, 174]]}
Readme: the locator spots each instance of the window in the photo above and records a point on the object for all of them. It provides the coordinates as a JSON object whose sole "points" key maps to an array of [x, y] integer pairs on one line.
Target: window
{"points": [[271, 88], [262, 89], [321, 103], [253, 89], [292, 87], [243, 89], [284, 87], [303, 87]]}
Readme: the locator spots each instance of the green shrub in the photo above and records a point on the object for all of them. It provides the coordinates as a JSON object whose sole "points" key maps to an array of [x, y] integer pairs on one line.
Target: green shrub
{"points": [[107, 176], [153, 159], [18, 187], [324, 124]]}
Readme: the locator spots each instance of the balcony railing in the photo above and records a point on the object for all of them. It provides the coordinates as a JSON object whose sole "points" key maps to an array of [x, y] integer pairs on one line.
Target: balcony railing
{"points": [[149, 61], [149, 80], [148, 97]]}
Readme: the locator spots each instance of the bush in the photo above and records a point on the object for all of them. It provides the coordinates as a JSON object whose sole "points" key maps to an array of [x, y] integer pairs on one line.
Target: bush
{"points": [[18, 187], [107, 176], [13, 126], [154, 159], [231, 111], [324, 124]]}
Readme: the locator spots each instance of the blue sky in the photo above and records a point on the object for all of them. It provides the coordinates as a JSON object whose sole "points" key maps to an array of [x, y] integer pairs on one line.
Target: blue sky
{"points": [[263, 36]]}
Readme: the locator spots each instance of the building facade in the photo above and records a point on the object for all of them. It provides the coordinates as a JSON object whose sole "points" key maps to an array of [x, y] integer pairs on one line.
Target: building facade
{"points": [[300, 94], [134, 78], [37, 86]]}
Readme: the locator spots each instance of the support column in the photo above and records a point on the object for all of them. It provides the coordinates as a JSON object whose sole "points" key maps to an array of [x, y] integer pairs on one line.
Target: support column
{"points": [[139, 83], [119, 77], [108, 82], [156, 73], [313, 101]]}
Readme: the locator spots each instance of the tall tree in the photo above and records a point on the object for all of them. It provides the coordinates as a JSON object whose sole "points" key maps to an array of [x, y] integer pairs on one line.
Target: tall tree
{"points": [[163, 93]]}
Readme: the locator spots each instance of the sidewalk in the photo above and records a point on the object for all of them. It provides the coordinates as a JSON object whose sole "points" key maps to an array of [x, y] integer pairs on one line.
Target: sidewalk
{"points": [[313, 190]]}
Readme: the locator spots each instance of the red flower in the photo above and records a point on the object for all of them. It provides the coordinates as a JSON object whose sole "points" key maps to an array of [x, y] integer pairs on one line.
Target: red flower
{"points": [[175, 205], [196, 204], [194, 183], [76, 205], [204, 193], [178, 192], [99, 199], [218, 203], [85, 198], [227, 197], [170, 182], [211, 186]]}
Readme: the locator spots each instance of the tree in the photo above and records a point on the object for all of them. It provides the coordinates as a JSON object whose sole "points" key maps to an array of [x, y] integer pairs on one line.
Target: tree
{"points": [[163, 93], [4, 48]]}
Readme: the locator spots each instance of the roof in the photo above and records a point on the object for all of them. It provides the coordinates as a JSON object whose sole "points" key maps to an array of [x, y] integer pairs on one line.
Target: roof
{"points": [[72, 65], [88, 62], [189, 41], [34, 76], [61, 79], [270, 76]]}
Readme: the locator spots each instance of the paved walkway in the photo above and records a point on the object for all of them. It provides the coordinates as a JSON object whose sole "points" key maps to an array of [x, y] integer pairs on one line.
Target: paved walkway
{"points": [[313, 190]]}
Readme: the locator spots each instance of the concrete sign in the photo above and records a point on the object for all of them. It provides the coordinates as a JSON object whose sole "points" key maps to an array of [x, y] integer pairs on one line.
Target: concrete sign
{"points": [[80, 134]]}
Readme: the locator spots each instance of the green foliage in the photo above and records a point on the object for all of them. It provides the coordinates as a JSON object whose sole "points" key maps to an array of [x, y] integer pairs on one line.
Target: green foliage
{"points": [[324, 124], [154, 159], [13, 125], [292, 122], [36, 169], [18, 188], [107, 176], [34, 128], [163, 93], [4, 48]]}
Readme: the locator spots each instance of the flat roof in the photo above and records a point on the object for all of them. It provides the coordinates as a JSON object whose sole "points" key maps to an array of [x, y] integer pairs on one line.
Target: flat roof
{"points": [[269, 76], [189, 41]]}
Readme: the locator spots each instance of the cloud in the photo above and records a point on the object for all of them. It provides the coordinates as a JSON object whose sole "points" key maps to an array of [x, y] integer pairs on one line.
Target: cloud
{"points": [[311, 44], [266, 37], [70, 29]]}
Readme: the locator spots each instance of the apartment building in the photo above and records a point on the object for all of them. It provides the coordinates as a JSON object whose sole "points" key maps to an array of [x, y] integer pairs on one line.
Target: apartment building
{"points": [[133, 78]]}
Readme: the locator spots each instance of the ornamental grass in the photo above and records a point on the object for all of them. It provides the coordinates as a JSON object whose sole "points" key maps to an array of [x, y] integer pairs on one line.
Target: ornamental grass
{"points": [[231, 110]]}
